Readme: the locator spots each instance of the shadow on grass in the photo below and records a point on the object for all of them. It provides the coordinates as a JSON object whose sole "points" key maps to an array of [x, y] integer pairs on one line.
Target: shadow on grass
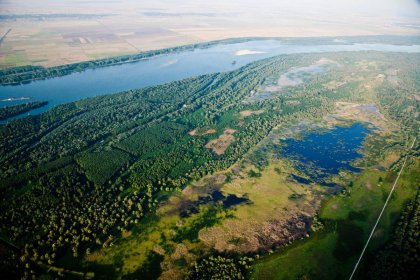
{"points": [[150, 270]]}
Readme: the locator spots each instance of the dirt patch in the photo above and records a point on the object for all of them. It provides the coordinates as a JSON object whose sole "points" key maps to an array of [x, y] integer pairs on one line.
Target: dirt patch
{"points": [[193, 132], [199, 132], [292, 102], [220, 178], [229, 131], [334, 84], [253, 236], [390, 160], [360, 112], [368, 185], [248, 113], [159, 250], [180, 251], [220, 144], [209, 131]]}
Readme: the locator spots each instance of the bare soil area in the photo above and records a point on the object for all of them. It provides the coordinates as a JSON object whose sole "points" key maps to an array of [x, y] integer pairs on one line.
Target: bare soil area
{"points": [[220, 144]]}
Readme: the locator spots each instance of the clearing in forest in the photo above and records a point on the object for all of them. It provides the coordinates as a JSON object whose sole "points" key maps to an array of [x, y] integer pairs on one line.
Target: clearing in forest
{"points": [[220, 144], [248, 113], [199, 132]]}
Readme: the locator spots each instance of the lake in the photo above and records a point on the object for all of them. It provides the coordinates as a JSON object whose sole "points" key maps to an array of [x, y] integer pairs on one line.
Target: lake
{"points": [[320, 154], [163, 69]]}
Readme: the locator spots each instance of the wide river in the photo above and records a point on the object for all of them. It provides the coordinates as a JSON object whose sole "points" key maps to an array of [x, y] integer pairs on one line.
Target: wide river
{"points": [[163, 69]]}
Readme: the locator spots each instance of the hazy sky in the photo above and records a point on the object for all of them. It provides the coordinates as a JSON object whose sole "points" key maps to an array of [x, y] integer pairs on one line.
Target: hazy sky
{"points": [[338, 7], [259, 17]]}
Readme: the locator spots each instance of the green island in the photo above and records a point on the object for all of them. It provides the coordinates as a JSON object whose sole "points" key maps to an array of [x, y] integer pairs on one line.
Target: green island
{"points": [[189, 179], [11, 111]]}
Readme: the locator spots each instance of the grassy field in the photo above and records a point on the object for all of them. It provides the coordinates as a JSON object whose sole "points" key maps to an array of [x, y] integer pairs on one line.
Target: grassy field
{"points": [[180, 239], [332, 253], [329, 253]]}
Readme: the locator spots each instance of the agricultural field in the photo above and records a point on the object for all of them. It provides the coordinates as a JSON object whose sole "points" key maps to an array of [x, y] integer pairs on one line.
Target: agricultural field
{"points": [[276, 170], [58, 33]]}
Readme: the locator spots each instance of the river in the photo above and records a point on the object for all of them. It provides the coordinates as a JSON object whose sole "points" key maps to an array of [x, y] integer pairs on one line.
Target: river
{"points": [[167, 68]]}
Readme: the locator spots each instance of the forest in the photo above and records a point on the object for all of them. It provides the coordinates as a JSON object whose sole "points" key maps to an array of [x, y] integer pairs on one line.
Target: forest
{"points": [[76, 177]]}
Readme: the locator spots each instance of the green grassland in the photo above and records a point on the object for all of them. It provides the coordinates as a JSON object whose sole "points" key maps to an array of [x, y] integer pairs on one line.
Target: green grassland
{"points": [[16, 59], [349, 219]]}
